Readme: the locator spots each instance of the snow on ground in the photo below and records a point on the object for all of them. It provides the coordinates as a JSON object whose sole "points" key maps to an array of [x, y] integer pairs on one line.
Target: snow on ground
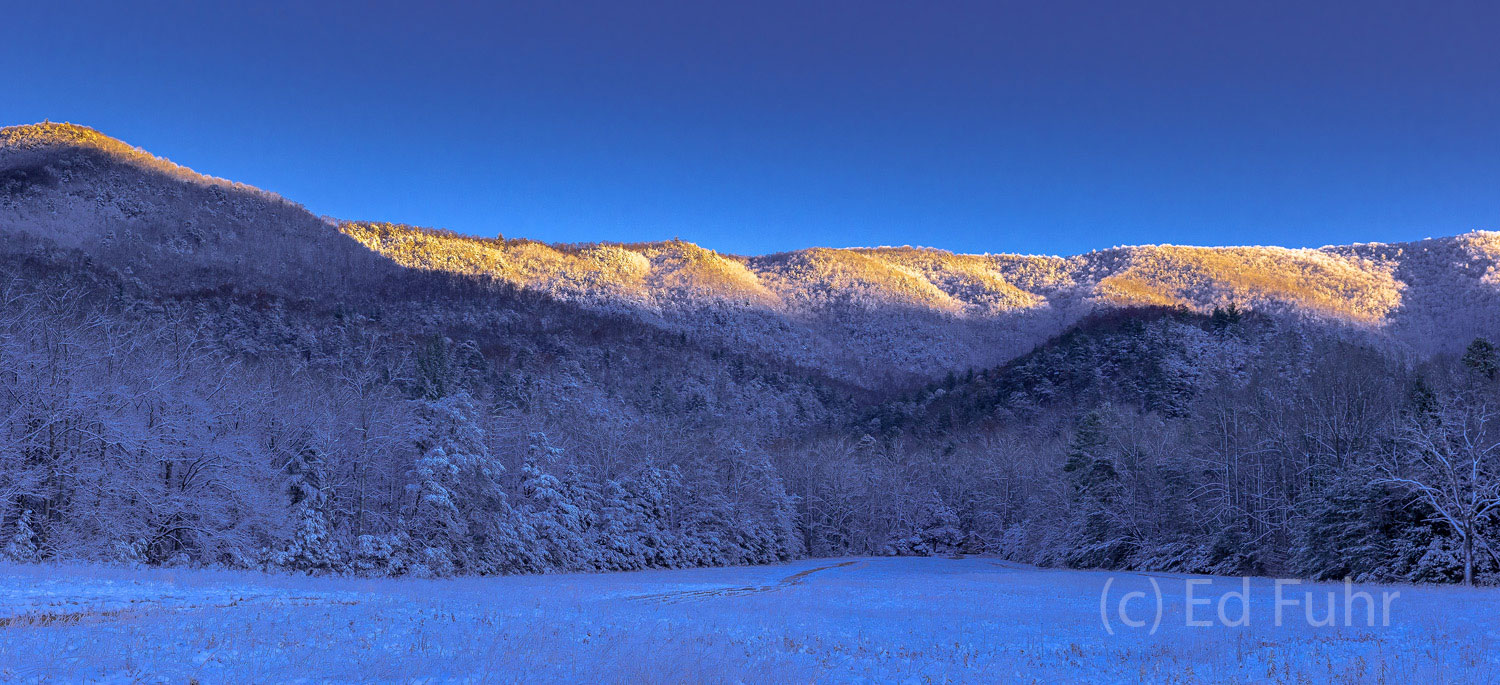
{"points": [[903, 619]]}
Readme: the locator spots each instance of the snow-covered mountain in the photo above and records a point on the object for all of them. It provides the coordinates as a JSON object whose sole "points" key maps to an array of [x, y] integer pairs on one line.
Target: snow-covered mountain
{"points": [[925, 310], [165, 224], [196, 371], [873, 315]]}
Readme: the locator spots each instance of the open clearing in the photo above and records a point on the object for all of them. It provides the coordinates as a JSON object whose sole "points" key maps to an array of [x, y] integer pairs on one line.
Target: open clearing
{"points": [[905, 619]]}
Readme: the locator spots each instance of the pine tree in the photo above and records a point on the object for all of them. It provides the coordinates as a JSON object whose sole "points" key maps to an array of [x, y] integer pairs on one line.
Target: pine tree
{"points": [[435, 377], [439, 529], [635, 523], [556, 510], [24, 543], [310, 546], [1422, 401], [1481, 359], [1089, 470], [1093, 483], [622, 546], [459, 520]]}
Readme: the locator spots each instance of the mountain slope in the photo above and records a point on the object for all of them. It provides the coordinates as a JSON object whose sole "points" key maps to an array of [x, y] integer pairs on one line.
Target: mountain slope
{"points": [[922, 311], [875, 316], [74, 187]]}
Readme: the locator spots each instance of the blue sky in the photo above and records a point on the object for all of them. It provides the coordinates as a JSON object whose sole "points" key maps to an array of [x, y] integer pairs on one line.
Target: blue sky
{"points": [[1050, 127]]}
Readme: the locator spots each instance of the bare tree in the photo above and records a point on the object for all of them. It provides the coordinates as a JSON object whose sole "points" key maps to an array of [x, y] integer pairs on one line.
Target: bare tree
{"points": [[1451, 466]]}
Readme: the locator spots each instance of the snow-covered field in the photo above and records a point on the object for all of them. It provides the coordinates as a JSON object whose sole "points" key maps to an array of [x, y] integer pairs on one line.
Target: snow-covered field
{"points": [[906, 619]]}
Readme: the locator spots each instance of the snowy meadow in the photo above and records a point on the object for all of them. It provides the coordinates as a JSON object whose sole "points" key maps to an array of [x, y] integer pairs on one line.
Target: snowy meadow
{"points": [[853, 619]]}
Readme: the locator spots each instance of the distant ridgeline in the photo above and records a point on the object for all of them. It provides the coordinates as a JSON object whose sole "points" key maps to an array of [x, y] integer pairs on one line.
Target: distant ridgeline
{"points": [[200, 372]]}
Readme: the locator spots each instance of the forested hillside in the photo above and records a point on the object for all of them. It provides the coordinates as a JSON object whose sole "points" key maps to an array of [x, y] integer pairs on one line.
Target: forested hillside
{"points": [[914, 313], [1230, 443], [199, 372]]}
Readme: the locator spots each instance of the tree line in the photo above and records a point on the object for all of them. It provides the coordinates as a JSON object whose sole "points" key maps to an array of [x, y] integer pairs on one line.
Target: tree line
{"points": [[455, 426]]}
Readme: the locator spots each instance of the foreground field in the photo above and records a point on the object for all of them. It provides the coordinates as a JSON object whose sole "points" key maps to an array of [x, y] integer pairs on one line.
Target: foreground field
{"points": [[922, 619]]}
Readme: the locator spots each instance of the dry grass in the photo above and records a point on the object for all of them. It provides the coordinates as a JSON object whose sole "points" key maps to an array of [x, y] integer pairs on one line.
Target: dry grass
{"points": [[906, 620]]}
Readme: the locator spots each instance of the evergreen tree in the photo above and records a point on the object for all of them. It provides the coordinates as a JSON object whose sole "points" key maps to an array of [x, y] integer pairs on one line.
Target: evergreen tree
{"points": [[440, 531], [1093, 481], [435, 376], [1091, 472], [1480, 358], [1421, 401], [556, 510], [310, 546], [24, 543], [635, 524], [459, 520]]}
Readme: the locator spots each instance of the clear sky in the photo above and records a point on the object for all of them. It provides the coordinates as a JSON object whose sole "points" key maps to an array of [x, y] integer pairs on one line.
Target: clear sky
{"points": [[762, 126]]}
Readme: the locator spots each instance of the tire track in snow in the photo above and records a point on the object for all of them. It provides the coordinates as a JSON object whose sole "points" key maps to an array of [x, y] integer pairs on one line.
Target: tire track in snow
{"points": [[45, 616], [795, 579], [1012, 566]]}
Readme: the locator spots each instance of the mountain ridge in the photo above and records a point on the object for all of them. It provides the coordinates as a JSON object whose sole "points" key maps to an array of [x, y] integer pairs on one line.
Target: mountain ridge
{"points": [[874, 314]]}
